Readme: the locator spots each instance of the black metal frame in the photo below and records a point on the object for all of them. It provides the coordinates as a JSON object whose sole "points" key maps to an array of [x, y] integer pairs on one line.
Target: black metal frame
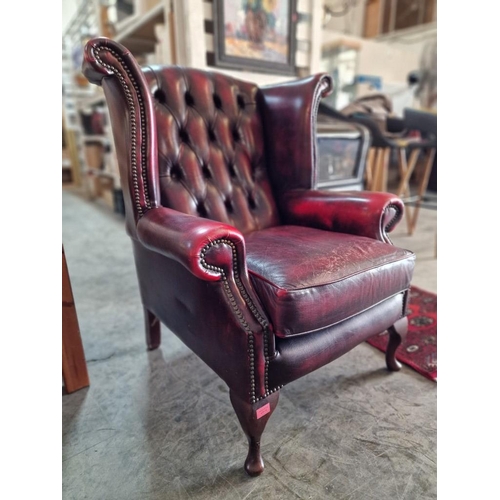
{"points": [[361, 136], [356, 181]]}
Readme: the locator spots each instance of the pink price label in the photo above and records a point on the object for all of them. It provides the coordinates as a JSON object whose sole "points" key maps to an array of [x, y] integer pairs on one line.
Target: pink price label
{"points": [[263, 410]]}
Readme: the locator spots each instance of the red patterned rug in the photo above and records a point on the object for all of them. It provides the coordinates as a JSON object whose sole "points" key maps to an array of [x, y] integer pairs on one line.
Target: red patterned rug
{"points": [[419, 351]]}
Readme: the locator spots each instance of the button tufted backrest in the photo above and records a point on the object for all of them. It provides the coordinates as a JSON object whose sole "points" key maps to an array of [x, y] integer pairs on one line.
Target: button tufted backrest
{"points": [[211, 155]]}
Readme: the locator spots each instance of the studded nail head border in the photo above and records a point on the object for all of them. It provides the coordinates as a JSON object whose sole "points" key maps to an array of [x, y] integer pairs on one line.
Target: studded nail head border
{"points": [[263, 322], [133, 123]]}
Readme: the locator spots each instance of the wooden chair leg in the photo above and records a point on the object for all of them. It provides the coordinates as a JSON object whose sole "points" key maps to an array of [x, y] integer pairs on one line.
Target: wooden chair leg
{"points": [[253, 419], [397, 333], [153, 330], [384, 171], [405, 172], [378, 163], [406, 169], [370, 166], [422, 188], [374, 169]]}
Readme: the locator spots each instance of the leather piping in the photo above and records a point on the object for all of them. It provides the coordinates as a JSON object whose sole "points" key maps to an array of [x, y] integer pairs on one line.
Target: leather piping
{"points": [[393, 221]]}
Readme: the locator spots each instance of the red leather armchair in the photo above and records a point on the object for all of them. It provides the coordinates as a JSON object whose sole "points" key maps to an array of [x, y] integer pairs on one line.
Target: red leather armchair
{"points": [[263, 278]]}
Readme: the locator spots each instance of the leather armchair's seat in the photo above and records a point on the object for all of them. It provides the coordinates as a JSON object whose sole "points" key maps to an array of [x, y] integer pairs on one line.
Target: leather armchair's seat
{"points": [[298, 271]]}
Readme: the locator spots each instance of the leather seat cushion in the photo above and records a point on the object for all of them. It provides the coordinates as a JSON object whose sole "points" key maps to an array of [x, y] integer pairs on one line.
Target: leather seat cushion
{"points": [[308, 279]]}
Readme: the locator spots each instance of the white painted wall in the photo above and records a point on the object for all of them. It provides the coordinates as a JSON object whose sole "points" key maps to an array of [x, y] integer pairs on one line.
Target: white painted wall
{"points": [[391, 56], [351, 23], [391, 62], [69, 8]]}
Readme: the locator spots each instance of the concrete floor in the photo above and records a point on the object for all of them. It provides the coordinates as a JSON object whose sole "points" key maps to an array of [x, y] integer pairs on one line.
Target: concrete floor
{"points": [[159, 425]]}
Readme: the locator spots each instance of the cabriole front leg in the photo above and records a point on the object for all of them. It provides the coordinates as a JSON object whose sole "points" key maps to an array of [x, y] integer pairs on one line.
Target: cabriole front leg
{"points": [[397, 333], [253, 419]]}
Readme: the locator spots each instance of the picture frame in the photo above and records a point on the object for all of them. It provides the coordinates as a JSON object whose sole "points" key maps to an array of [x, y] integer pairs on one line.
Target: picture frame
{"points": [[255, 35]]}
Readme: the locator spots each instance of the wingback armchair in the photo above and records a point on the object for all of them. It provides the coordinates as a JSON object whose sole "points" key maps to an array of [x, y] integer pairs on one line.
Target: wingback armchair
{"points": [[264, 278]]}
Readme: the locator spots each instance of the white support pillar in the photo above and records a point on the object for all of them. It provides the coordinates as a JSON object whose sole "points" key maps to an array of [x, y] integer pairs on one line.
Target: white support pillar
{"points": [[190, 45], [316, 36]]}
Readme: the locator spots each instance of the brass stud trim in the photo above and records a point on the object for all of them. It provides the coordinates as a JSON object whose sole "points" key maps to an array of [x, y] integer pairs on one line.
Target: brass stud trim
{"points": [[133, 124], [261, 320], [393, 221]]}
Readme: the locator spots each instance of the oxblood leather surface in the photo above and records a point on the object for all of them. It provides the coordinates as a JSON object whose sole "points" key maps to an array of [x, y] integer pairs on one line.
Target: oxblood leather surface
{"points": [[308, 279], [363, 213], [111, 65], [183, 237], [211, 156], [211, 148], [200, 314], [300, 355], [289, 118]]}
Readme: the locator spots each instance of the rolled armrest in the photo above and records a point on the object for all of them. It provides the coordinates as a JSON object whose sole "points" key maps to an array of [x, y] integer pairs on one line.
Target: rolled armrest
{"points": [[192, 241], [363, 213]]}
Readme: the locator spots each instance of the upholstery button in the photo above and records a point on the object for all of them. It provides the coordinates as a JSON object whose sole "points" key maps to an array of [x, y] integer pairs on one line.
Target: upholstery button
{"points": [[236, 134], [189, 98], [232, 170], [211, 135], [251, 201], [160, 96], [241, 102], [206, 172], [217, 101], [183, 135], [201, 209], [229, 205], [176, 173]]}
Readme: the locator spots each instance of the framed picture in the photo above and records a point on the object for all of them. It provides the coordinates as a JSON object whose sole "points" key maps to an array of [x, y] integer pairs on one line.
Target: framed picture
{"points": [[256, 35]]}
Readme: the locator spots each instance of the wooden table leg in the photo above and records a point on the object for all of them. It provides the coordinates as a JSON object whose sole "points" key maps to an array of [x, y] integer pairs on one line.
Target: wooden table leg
{"points": [[422, 187], [406, 169], [380, 160], [374, 163], [384, 173], [74, 366], [370, 167]]}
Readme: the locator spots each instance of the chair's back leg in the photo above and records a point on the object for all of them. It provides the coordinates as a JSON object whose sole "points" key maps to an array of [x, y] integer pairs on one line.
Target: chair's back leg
{"points": [[397, 333]]}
